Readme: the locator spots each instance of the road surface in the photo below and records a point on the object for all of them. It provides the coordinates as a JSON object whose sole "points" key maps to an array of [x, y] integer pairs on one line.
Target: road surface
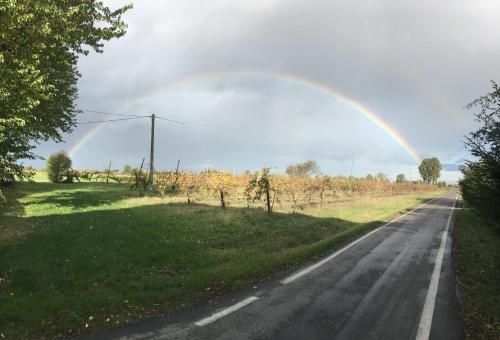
{"points": [[396, 282]]}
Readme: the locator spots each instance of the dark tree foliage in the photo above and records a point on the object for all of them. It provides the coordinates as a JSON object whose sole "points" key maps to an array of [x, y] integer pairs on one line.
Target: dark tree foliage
{"points": [[40, 43], [14, 146], [480, 185]]}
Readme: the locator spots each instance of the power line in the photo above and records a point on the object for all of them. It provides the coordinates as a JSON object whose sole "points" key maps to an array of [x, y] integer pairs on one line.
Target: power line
{"points": [[130, 115], [112, 120], [170, 120], [110, 113]]}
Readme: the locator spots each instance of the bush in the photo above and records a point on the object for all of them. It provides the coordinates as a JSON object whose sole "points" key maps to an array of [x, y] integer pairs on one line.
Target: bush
{"points": [[481, 189], [480, 185], [58, 165]]}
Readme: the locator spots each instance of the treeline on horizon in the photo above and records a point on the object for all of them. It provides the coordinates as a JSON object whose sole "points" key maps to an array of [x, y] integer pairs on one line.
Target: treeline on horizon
{"points": [[301, 185], [308, 168]]}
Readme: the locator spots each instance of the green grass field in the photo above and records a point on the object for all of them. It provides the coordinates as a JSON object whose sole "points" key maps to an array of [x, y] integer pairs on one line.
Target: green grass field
{"points": [[477, 253], [79, 257]]}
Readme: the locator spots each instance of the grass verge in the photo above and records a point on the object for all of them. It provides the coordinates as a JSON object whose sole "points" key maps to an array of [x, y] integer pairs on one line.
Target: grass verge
{"points": [[477, 254], [81, 257]]}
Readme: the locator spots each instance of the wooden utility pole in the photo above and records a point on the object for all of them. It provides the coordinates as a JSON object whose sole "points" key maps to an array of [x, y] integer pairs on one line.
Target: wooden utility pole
{"points": [[152, 151]]}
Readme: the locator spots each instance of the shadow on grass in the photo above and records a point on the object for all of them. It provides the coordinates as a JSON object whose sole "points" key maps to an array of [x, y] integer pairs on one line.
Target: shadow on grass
{"points": [[11, 206], [74, 196], [127, 264], [83, 197]]}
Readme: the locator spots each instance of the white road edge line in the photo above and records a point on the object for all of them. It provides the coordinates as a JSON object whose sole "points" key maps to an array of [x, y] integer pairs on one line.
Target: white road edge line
{"points": [[424, 327], [337, 253], [224, 312]]}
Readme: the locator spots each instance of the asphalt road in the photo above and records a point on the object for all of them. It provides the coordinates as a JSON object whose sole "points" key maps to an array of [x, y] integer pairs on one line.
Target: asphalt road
{"points": [[395, 283]]}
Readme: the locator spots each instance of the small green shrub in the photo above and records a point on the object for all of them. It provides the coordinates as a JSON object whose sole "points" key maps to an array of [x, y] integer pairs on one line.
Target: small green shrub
{"points": [[58, 165]]}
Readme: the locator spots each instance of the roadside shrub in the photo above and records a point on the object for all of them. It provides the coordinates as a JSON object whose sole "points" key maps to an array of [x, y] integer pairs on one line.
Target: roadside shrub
{"points": [[58, 165], [481, 190], [480, 185]]}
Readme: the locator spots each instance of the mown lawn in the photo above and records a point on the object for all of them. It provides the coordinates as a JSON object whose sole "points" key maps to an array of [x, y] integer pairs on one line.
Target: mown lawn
{"points": [[477, 253], [78, 257]]}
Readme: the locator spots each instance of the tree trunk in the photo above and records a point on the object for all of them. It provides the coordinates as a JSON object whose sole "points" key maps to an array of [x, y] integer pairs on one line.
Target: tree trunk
{"points": [[222, 203], [268, 201]]}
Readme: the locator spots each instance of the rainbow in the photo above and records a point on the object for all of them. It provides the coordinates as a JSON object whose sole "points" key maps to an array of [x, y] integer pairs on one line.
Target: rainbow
{"points": [[301, 81], [84, 138]]}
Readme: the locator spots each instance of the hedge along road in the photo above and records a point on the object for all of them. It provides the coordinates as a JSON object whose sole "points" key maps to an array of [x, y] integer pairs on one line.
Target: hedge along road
{"points": [[396, 282]]}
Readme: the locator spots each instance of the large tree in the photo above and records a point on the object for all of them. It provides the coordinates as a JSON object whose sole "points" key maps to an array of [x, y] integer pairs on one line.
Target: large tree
{"points": [[40, 43], [401, 178], [381, 177], [303, 169], [480, 185], [430, 170]]}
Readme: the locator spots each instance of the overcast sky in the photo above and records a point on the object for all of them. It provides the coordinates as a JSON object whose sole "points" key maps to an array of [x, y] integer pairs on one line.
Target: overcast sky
{"points": [[223, 67]]}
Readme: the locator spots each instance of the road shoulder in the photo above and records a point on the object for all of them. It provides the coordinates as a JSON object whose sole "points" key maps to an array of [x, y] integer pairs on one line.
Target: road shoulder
{"points": [[477, 258]]}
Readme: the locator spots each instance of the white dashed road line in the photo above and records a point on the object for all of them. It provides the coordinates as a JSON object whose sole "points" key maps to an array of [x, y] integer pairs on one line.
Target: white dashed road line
{"points": [[227, 311]]}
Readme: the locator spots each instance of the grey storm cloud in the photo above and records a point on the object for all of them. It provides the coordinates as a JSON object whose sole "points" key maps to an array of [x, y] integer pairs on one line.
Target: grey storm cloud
{"points": [[415, 63]]}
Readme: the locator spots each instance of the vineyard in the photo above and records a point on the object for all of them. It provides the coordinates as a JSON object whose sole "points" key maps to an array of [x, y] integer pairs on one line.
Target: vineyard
{"points": [[272, 191]]}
